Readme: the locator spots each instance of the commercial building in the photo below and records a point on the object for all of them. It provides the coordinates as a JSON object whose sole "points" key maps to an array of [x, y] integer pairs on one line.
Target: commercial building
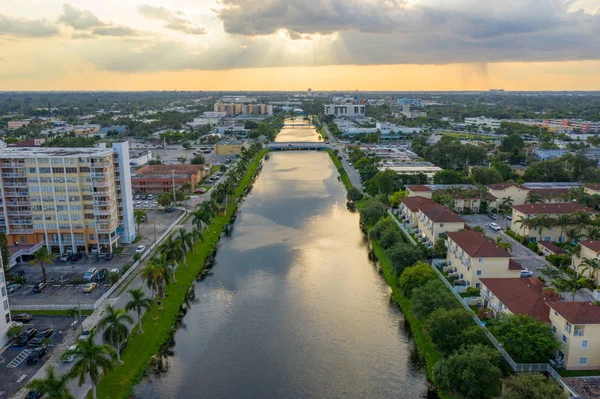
{"points": [[233, 109], [347, 110], [140, 157], [472, 256], [18, 124], [577, 326], [412, 168], [543, 233], [209, 118], [482, 121], [74, 199], [230, 147], [517, 296], [159, 179], [5, 321], [415, 102], [408, 112], [574, 124]]}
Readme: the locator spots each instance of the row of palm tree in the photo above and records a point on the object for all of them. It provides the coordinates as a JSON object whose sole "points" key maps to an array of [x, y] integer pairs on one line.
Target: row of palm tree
{"points": [[92, 359], [572, 227], [575, 194]]}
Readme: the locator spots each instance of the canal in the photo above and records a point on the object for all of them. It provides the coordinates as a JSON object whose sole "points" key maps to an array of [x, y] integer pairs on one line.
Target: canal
{"points": [[293, 308]]}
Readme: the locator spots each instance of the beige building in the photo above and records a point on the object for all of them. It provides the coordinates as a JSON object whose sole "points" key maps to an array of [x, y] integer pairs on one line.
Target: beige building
{"points": [[577, 326], [419, 190], [465, 196], [517, 296], [552, 210], [68, 199], [517, 192], [589, 250], [592, 189], [229, 148], [429, 219], [472, 256]]}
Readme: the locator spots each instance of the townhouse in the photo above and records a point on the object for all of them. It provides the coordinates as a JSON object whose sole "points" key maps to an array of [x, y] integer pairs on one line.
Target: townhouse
{"points": [[517, 192], [592, 189], [430, 220], [517, 296], [577, 326], [550, 232], [465, 196], [589, 250], [521, 193], [472, 256]]}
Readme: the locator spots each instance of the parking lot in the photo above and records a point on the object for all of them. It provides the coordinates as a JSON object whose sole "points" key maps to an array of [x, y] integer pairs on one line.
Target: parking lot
{"points": [[14, 370], [61, 290]]}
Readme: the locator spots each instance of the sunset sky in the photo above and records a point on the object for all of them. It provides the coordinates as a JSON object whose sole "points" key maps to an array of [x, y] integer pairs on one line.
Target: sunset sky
{"points": [[296, 44]]}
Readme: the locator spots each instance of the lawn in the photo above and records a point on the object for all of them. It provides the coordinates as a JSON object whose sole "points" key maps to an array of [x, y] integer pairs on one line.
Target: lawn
{"points": [[340, 168], [119, 382]]}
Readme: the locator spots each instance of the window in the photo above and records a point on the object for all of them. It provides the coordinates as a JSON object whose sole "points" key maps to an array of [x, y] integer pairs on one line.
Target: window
{"points": [[441, 224], [564, 338], [568, 327], [583, 360], [479, 272], [481, 260], [553, 328], [584, 343], [7, 318], [578, 331], [6, 304], [555, 313], [3, 291], [477, 285]]}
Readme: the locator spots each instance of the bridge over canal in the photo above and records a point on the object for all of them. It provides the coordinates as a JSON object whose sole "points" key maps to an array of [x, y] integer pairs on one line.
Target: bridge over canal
{"points": [[297, 146]]}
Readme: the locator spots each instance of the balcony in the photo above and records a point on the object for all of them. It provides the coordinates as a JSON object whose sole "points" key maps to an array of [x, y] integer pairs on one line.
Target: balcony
{"points": [[12, 165], [107, 211], [100, 164], [21, 194], [20, 231], [98, 175], [14, 183], [105, 202], [101, 183], [19, 212], [15, 174]]}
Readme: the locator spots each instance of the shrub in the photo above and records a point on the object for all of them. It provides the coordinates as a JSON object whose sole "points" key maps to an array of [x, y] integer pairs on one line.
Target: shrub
{"points": [[391, 237], [472, 291], [533, 246], [416, 276], [430, 297], [380, 227], [447, 328], [403, 255], [559, 260], [532, 385], [136, 256], [371, 211]]}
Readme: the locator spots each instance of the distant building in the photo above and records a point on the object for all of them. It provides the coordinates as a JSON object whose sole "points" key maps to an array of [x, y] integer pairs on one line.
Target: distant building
{"points": [[415, 102], [209, 118], [120, 129], [18, 124], [410, 113], [482, 121], [233, 109], [309, 93], [139, 158], [230, 147], [159, 179], [413, 168], [234, 128], [348, 110]]}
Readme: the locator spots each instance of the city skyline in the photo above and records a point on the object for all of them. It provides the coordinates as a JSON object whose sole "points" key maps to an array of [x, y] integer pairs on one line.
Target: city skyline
{"points": [[285, 45]]}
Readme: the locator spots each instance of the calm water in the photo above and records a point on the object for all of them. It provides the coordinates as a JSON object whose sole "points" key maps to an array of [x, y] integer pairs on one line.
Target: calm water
{"points": [[294, 308]]}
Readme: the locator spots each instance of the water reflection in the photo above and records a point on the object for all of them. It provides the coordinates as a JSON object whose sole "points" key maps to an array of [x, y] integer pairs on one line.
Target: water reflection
{"points": [[299, 133], [293, 308]]}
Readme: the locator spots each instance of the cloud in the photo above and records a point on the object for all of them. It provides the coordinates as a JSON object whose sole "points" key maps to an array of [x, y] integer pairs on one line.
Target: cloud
{"points": [[115, 30], [78, 18], [26, 27], [174, 20]]}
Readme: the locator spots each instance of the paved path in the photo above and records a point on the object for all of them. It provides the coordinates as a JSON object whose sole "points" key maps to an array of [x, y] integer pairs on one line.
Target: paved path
{"points": [[352, 173]]}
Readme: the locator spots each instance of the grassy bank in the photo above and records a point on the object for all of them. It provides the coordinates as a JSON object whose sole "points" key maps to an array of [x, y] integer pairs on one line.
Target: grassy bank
{"points": [[49, 312], [119, 382], [340, 168]]}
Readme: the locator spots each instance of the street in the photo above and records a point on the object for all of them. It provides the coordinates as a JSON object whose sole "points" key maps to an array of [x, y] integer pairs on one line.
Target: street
{"points": [[352, 173]]}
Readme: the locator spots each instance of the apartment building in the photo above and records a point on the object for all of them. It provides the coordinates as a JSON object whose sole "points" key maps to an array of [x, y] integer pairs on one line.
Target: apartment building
{"points": [[547, 233], [233, 109], [517, 296], [75, 199], [589, 250], [159, 179], [348, 110], [577, 326], [482, 121], [592, 189], [521, 193], [516, 192], [430, 220], [465, 196], [5, 322], [419, 190], [472, 256]]}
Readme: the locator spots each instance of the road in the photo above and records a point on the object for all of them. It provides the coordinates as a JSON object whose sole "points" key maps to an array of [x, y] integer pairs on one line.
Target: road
{"points": [[352, 173]]}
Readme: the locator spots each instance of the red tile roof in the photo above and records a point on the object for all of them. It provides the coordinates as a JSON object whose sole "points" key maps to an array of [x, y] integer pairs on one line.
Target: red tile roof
{"points": [[553, 247], [522, 295], [442, 214], [595, 187], [477, 245], [514, 265], [578, 312], [551, 209], [416, 203], [504, 186], [550, 192], [418, 187], [593, 245]]}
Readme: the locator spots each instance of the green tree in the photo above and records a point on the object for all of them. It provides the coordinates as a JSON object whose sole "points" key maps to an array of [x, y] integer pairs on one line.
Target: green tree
{"points": [[473, 371], [114, 323], [186, 145], [486, 176], [448, 327], [139, 216], [74, 314], [415, 276], [591, 266], [138, 303], [198, 160], [380, 228], [182, 159], [510, 142], [53, 386], [397, 197], [526, 339], [432, 296], [391, 237], [571, 283], [532, 386], [91, 360], [354, 194], [450, 177], [172, 250], [42, 258], [403, 255], [186, 241], [165, 200], [440, 247], [371, 212]]}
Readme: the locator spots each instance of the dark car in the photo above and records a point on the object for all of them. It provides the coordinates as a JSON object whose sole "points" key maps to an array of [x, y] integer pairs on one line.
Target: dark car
{"points": [[76, 257], [22, 317], [26, 336], [39, 287], [108, 256], [34, 395], [45, 333], [170, 210], [102, 274], [36, 355]]}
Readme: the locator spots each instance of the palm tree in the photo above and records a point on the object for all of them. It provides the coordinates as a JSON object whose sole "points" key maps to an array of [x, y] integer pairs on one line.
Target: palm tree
{"points": [[42, 258], [196, 235], [540, 223], [522, 220], [534, 198], [138, 303], [157, 273], [201, 216], [573, 252], [572, 234], [139, 215], [73, 313], [590, 265], [593, 233], [582, 220], [91, 360], [550, 272], [504, 245], [53, 386], [173, 252], [115, 328], [187, 242], [569, 283], [563, 221]]}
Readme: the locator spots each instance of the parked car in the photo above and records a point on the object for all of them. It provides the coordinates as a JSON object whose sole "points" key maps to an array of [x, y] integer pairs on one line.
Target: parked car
{"points": [[108, 256], [12, 287], [34, 395], [39, 287], [89, 288], [69, 358], [508, 217], [140, 249], [64, 257], [146, 203], [41, 335], [170, 209], [102, 274], [76, 257], [26, 336], [91, 273], [85, 334], [495, 227], [143, 197], [22, 317], [137, 197], [493, 216], [150, 197], [36, 355], [200, 191], [526, 273]]}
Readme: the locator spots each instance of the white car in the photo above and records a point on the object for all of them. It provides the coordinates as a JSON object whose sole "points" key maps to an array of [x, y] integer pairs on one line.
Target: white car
{"points": [[140, 249], [70, 358], [526, 273], [495, 227]]}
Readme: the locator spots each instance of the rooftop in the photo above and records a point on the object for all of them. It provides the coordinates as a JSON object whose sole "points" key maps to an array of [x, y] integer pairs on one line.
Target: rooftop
{"points": [[577, 312], [522, 295], [416, 203], [36, 152], [504, 186], [551, 209], [555, 248], [167, 171], [595, 187], [441, 214], [419, 187], [593, 245], [477, 245]]}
